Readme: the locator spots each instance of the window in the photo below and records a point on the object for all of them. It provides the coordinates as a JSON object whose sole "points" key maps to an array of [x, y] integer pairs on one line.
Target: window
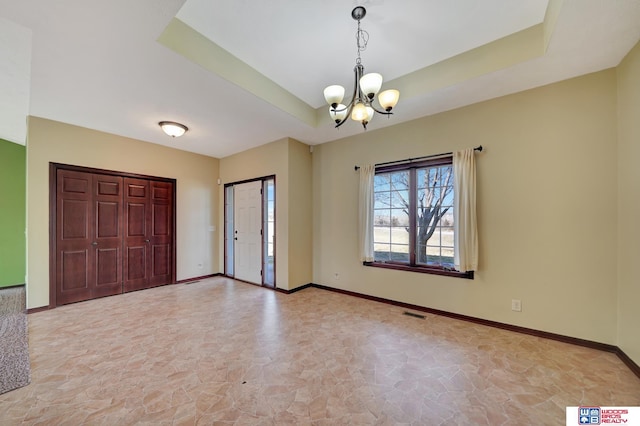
{"points": [[229, 261], [269, 231], [413, 217]]}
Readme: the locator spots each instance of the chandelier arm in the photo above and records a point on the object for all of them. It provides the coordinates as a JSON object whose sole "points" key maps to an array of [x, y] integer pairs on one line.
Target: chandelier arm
{"points": [[346, 117], [343, 109], [380, 112]]}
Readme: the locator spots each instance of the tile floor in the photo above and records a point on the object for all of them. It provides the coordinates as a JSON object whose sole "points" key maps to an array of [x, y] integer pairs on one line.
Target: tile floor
{"points": [[223, 352]]}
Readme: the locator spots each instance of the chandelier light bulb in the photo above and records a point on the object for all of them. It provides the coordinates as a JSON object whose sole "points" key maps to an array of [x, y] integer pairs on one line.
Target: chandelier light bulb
{"points": [[388, 99], [334, 94], [338, 113], [370, 113], [370, 84], [359, 112]]}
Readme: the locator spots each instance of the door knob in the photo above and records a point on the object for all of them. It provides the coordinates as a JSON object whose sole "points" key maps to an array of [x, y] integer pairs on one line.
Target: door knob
{"points": [[146, 241], [95, 243]]}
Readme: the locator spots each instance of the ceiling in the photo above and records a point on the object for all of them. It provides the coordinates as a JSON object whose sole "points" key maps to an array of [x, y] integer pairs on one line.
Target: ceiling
{"points": [[242, 73]]}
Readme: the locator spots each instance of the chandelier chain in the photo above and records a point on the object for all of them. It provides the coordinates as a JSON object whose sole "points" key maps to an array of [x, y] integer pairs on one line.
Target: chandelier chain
{"points": [[362, 38]]}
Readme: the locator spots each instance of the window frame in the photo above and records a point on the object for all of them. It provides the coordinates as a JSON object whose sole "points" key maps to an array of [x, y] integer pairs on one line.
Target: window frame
{"points": [[412, 265]]}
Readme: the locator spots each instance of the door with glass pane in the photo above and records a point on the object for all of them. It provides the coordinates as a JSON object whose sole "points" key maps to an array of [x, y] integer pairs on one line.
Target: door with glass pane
{"points": [[250, 231]]}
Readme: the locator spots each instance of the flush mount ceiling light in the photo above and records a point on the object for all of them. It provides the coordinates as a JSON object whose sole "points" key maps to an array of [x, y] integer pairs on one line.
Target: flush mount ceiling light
{"points": [[366, 87], [173, 129]]}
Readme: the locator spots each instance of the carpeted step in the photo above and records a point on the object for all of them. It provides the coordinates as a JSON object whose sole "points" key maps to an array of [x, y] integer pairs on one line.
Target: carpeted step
{"points": [[15, 370]]}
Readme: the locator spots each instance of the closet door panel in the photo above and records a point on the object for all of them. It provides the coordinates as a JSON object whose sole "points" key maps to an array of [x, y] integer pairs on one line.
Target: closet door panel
{"points": [[138, 228], [107, 266], [74, 273], [136, 260], [107, 235], [74, 208], [161, 232]]}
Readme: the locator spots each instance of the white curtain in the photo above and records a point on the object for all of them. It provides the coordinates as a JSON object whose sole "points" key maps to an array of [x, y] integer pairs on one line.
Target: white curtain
{"points": [[464, 211], [365, 210]]}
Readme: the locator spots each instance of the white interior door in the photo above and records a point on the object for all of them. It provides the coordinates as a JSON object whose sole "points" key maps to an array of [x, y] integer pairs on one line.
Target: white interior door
{"points": [[248, 231]]}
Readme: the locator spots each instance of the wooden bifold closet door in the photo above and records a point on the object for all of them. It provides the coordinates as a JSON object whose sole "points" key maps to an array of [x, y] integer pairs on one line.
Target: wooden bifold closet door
{"points": [[147, 243], [112, 234], [89, 238]]}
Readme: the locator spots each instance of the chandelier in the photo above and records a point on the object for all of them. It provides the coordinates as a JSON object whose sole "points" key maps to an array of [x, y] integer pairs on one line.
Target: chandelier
{"points": [[366, 87]]}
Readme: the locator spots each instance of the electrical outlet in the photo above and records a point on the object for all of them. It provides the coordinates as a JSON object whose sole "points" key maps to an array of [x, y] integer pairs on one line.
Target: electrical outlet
{"points": [[516, 305], [336, 276]]}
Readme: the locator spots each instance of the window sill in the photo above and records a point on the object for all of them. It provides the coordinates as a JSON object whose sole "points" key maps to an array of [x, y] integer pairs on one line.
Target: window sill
{"points": [[421, 269]]}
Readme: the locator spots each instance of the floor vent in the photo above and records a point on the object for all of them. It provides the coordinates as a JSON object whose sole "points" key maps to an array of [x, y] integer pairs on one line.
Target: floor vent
{"points": [[192, 282], [411, 314]]}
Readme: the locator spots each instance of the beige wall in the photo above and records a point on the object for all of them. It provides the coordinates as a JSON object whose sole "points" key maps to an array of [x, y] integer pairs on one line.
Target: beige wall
{"points": [[629, 204], [289, 160], [300, 215], [546, 208], [197, 194]]}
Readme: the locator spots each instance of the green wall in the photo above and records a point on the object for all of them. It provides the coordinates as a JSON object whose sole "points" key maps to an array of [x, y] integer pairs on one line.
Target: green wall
{"points": [[12, 213]]}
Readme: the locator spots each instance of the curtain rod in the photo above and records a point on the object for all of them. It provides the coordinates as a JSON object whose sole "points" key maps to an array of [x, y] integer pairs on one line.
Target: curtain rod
{"points": [[409, 160]]}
